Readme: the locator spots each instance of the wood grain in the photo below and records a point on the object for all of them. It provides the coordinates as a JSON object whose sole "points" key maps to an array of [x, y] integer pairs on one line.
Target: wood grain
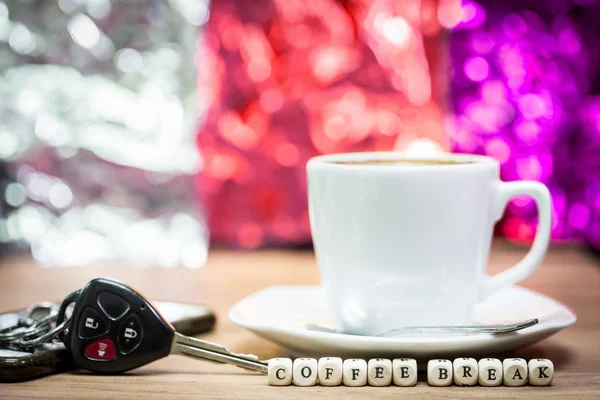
{"points": [[569, 274]]}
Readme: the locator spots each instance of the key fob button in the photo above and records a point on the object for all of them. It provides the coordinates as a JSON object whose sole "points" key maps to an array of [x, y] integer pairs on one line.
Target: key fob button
{"points": [[130, 334], [114, 306], [103, 349], [91, 324]]}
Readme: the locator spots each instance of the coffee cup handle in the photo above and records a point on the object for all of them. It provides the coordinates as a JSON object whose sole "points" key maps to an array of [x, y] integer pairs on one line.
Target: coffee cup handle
{"points": [[504, 191]]}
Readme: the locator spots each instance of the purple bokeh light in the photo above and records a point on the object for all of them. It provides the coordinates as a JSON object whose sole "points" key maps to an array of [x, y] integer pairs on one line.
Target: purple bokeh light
{"points": [[526, 91]]}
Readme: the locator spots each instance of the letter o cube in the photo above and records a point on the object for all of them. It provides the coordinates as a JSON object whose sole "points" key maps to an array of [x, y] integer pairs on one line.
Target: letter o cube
{"points": [[305, 372]]}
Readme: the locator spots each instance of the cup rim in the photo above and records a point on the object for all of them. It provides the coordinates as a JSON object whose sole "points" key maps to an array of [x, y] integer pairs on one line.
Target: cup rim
{"points": [[472, 160]]}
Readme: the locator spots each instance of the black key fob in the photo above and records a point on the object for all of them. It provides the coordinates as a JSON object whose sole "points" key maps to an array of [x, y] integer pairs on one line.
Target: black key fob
{"points": [[51, 358], [114, 329]]}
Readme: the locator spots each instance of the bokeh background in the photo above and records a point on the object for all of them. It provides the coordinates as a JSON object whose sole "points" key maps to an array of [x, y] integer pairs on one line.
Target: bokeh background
{"points": [[147, 131]]}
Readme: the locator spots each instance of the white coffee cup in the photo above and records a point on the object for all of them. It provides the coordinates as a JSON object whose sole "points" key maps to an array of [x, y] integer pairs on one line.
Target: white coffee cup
{"points": [[407, 244]]}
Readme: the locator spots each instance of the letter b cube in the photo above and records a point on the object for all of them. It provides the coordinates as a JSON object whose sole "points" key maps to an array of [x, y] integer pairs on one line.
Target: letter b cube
{"points": [[439, 372]]}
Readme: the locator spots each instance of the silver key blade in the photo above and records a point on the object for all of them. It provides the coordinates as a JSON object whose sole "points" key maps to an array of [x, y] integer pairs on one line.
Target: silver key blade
{"points": [[471, 329], [207, 351]]}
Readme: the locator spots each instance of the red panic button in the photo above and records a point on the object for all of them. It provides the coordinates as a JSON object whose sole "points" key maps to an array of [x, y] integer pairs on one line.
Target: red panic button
{"points": [[103, 349]]}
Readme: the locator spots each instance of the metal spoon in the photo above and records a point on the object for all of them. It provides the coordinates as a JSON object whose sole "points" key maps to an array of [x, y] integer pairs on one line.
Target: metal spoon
{"points": [[493, 329]]}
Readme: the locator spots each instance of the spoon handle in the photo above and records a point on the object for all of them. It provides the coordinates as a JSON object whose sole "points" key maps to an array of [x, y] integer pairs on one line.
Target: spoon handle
{"points": [[493, 329]]}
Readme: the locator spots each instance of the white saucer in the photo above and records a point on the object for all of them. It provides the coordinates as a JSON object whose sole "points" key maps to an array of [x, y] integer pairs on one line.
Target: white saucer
{"points": [[280, 314]]}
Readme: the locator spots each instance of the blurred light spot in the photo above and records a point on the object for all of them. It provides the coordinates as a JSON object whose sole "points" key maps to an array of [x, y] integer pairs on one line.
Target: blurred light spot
{"points": [[21, 40], [259, 69], [194, 254], [569, 42], [60, 196], [284, 226], [98, 9], [532, 106], [287, 154], [336, 127], [15, 194], [449, 13], [498, 149], [423, 146], [396, 30], [83, 31], [250, 235], [38, 185], [388, 123], [271, 100], [514, 26], [29, 102], [481, 42], [45, 127], [493, 92], [3, 13], [129, 60], [528, 131], [31, 223], [8, 144], [476, 68], [68, 6], [223, 166], [196, 12], [473, 15], [579, 216]]}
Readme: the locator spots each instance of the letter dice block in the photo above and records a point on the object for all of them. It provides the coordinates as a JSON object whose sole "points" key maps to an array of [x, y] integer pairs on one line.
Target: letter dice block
{"points": [[280, 371], [355, 372], [514, 372], [305, 372], [379, 372], [330, 371], [404, 371], [466, 371], [490, 372], [541, 372], [439, 373]]}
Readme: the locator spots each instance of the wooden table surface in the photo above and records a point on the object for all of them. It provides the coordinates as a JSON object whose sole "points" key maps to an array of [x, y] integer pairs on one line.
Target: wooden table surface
{"points": [[569, 274]]}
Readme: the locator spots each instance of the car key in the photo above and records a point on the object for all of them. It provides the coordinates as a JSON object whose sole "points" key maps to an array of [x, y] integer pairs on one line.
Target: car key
{"points": [[114, 328]]}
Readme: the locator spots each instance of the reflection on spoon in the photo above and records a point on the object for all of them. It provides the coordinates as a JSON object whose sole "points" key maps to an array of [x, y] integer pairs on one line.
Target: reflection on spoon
{"points": [[473, 329]]}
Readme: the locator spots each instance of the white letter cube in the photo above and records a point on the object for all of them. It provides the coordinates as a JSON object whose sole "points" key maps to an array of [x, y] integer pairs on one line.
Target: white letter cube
{"points": [[466, 371], [305, 372], [439, 372], [330, 371], [280, 371], [404, 371], [355, 372], [490, 372], [514, 372], [541, 372], [379, 372]]}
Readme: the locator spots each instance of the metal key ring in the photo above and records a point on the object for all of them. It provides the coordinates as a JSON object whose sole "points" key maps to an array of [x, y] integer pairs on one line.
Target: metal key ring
{"points": [[51, 334], [44, 305]]}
